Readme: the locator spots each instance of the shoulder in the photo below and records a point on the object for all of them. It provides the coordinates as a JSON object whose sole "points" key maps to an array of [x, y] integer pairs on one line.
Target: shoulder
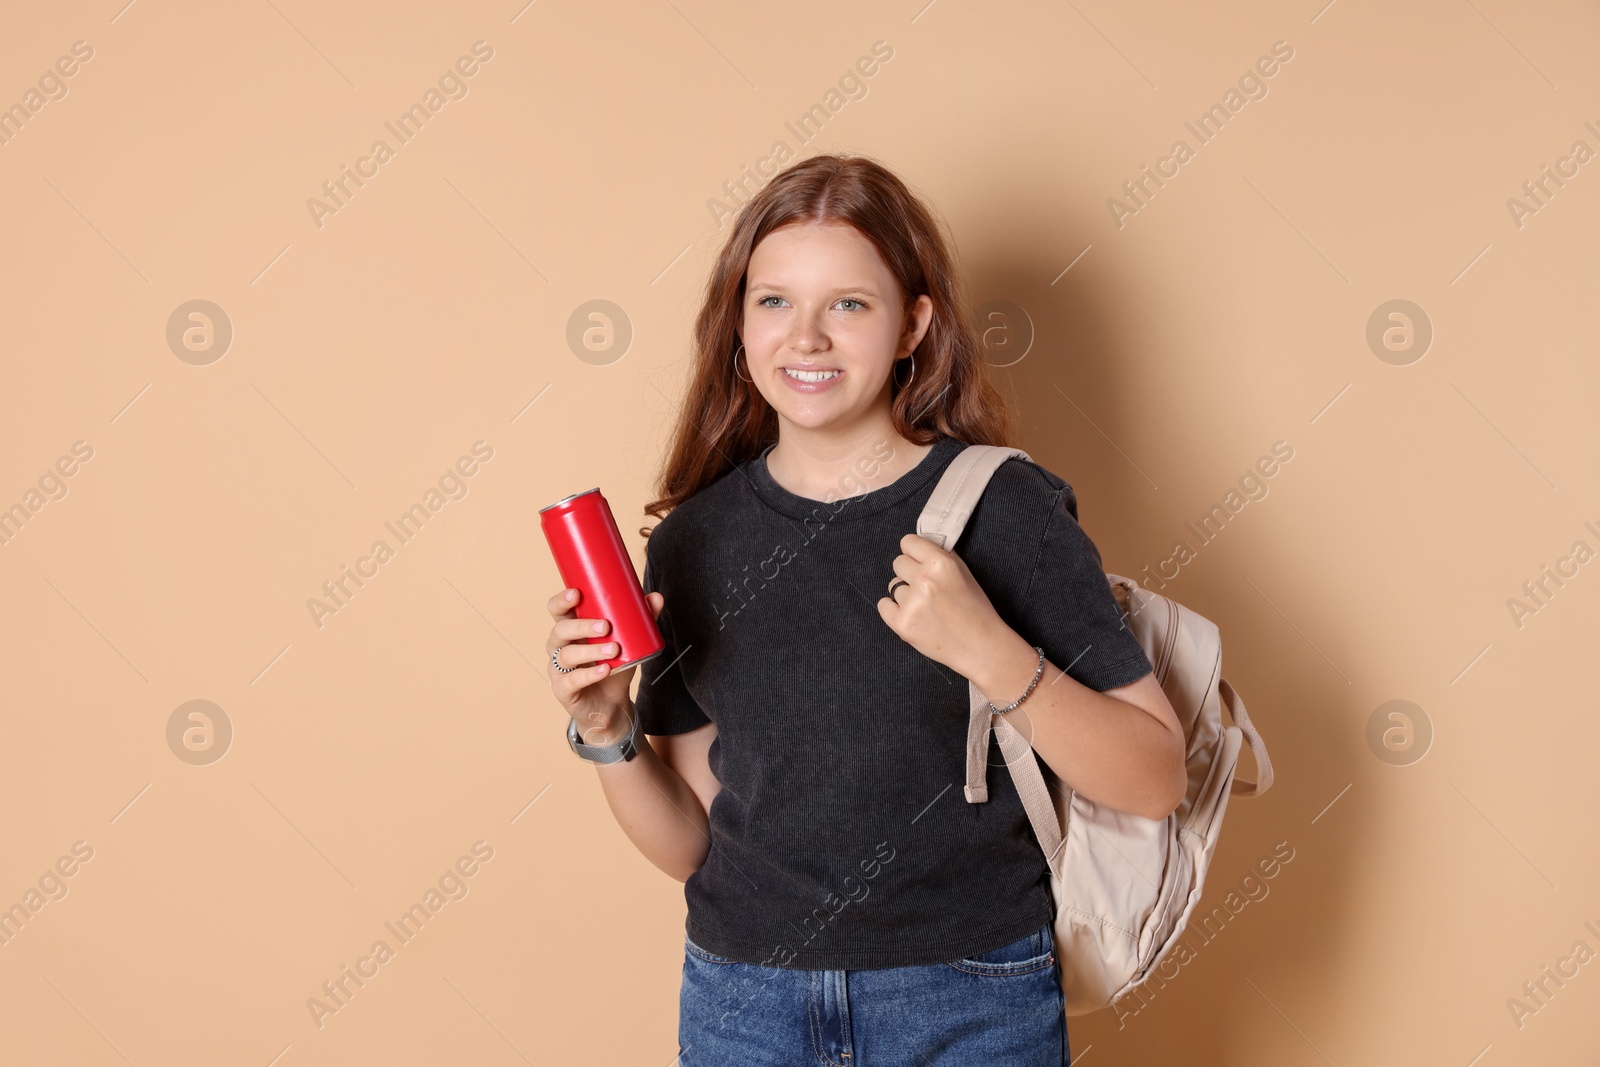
{"points": [[1025, 475], [697, 519], [1030, 488], [1021, 503]]}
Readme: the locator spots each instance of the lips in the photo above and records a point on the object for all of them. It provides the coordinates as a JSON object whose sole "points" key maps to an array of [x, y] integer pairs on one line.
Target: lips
{"points": [[812, 380]]}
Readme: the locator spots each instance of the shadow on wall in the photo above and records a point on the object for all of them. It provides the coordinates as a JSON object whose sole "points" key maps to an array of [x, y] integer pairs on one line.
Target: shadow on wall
{"points": [[1087, 399]]}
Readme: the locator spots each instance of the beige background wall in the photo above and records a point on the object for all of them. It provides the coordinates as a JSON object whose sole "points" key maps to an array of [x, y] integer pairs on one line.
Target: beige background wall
{"points": [[372, 347]]}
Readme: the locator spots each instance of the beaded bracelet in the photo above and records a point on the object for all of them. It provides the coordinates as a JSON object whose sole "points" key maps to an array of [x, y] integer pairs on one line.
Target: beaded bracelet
{"points": [[1039, 670]]}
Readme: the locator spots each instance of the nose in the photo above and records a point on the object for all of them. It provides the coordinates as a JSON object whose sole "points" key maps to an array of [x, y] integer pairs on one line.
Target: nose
{"points": [[806, 333]]}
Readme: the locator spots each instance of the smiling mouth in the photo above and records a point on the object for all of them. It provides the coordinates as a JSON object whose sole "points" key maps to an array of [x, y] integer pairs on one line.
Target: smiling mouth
{"points": [[811, 375]]}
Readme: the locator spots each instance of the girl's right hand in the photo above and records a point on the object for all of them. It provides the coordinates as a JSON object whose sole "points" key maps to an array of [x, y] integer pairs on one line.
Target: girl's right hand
{"points": [[595, 697]]}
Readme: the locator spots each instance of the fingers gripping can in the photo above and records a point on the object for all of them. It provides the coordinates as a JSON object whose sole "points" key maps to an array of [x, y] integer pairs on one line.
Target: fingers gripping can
{"points": [[582, 535]]}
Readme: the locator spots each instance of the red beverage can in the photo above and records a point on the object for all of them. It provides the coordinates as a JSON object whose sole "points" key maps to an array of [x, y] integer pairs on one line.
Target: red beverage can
{"points": [[582, 535]]}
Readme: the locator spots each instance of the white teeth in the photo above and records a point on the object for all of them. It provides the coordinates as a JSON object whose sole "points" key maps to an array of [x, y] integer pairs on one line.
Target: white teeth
{"points": [[811, 375]]}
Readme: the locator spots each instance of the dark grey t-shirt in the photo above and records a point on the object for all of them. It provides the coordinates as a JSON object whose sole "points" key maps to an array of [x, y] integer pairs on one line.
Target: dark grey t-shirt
{"points": [[841, 838]]}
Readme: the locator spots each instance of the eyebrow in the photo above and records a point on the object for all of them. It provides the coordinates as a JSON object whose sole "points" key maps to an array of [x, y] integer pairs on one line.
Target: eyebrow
{"points": [[836, 292]]}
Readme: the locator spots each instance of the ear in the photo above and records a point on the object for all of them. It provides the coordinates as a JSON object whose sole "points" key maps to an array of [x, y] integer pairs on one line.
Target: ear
{"points": [[919, 316]]}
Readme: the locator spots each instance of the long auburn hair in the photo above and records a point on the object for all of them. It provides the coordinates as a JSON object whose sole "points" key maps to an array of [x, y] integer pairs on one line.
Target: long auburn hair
{"points": [[724, 421]]}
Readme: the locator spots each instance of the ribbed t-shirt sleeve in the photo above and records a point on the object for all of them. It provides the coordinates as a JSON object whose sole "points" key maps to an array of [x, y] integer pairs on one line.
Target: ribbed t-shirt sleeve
{"points": [[1071, 610], [663, 704]]}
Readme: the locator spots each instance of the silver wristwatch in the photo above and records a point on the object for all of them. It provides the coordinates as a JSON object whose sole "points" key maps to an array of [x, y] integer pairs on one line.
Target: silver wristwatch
{"points": [[620, 752]]}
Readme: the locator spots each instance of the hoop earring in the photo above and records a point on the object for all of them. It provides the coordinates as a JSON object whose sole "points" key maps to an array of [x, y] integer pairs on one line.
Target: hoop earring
{"points": [[741, 377], [913, 358]]}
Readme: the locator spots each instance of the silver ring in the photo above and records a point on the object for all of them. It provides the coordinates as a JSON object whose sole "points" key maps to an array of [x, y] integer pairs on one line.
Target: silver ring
{"points": [[557, 663], [894, 587]]}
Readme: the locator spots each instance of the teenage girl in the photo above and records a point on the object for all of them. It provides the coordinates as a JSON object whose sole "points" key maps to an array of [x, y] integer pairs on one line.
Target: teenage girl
{"points": [[795, 754]]}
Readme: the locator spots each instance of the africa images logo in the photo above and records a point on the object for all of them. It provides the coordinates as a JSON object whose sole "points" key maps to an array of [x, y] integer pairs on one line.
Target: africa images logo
{"points": [[452, 85]]}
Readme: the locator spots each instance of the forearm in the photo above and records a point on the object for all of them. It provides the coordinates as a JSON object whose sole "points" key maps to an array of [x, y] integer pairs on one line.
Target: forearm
{"points": [[1109, 750], [652, 803]]}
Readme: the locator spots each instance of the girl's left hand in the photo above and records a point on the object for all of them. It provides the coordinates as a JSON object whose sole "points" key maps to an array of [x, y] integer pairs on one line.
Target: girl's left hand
{"points": [[943, 613]]}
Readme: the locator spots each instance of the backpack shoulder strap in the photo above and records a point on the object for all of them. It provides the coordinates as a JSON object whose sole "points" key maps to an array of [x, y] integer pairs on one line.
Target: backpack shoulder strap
{"points": [[956, 495], [941, 521]]}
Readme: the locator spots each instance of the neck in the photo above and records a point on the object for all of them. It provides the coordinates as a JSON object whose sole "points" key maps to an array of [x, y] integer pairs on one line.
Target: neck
{"points": [[818, 463]]}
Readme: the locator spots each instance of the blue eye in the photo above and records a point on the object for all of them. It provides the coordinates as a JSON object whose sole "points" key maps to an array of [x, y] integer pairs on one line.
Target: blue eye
{"points": [[763, 301]]}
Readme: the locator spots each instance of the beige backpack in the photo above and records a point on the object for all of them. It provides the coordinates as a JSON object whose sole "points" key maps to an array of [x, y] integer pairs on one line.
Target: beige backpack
{"points": [[1124, 885]]}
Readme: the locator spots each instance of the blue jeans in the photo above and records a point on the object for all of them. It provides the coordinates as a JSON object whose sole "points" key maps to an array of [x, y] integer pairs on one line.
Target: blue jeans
{"points": [[1001, 1008]]}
